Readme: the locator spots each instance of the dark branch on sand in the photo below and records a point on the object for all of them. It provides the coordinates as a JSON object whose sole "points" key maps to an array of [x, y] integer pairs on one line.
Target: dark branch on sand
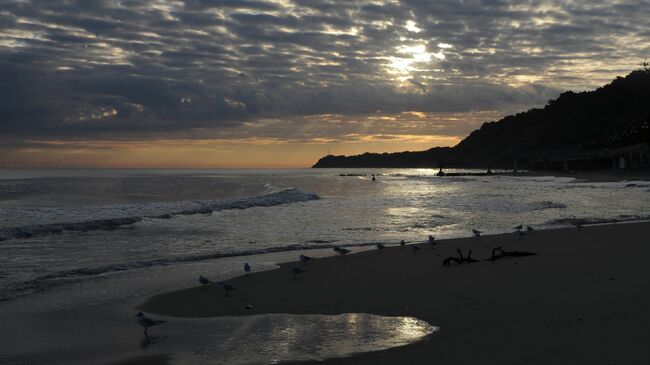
{"points": [[500, 252], [460, 259]]}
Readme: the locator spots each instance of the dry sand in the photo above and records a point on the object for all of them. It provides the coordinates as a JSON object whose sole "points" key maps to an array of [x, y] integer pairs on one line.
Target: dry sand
{"points": [[584, 299]]}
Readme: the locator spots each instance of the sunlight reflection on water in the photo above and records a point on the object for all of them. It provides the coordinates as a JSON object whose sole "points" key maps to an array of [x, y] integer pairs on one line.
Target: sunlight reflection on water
{"points": [[275, 338]]}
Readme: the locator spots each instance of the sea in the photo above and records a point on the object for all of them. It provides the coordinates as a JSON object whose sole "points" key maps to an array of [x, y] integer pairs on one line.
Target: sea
{"points": [[76, 243]]}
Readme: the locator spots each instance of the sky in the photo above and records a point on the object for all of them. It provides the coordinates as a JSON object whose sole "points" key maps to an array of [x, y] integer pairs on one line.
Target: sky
{"points": [[281, 83]]}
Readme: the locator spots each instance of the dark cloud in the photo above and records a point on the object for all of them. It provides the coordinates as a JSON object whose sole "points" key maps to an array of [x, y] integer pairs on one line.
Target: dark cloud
{"points": [[97, 68]]}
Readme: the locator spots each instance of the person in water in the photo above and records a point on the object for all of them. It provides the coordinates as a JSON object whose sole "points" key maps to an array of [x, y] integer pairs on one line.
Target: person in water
{"points": [[373, 177]]}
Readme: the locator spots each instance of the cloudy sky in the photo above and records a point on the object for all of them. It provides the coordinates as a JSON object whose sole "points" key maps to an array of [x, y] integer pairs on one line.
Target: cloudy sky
{"points": [[279, 83]]}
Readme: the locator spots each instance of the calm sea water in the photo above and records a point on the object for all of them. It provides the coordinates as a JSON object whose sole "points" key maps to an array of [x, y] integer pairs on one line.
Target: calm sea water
{"points": [[81, 248]]}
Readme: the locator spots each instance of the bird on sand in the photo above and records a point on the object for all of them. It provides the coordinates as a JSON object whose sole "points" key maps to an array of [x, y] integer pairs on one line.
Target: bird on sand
{"points": [[204, 281], [304, 258], [343, 251], [147, 322], [296, 271], [227, 288], [247, 267], [477, 233], [380, 246]]}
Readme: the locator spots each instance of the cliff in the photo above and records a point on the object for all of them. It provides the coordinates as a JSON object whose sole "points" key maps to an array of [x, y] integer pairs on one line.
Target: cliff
{"points": [[611, 116]]}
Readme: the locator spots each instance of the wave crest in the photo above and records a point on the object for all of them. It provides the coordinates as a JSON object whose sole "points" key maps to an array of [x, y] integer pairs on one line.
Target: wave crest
{"points": [[286, 196]]}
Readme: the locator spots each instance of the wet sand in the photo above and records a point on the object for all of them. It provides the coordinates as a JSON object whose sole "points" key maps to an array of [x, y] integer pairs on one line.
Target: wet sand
{"points": [[583, 299]]}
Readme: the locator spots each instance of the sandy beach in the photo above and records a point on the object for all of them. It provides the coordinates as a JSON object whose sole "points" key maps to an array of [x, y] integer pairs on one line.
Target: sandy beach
{"points": [[582, 299]]}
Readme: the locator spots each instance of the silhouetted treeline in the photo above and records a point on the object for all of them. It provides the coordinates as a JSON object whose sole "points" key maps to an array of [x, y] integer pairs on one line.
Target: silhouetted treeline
{"points": [[615, 115]]}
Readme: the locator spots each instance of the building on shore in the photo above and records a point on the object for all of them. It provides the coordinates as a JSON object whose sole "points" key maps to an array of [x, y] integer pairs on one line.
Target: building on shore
{"points": [[633, 157]]}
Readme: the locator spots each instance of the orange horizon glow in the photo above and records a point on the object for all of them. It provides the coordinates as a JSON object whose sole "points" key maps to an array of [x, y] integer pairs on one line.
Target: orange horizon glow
{"points": [[261, 143], [248, 153]]}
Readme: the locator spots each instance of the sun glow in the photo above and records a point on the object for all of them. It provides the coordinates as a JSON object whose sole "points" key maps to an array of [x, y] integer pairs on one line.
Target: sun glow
{"points": [[411, 58]]}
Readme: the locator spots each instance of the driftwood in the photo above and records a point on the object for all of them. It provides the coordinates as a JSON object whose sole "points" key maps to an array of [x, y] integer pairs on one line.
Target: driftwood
{"points": [[500, 253], [460, 259]]}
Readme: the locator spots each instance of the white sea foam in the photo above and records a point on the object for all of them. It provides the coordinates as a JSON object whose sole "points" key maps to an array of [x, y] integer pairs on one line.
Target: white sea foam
{"points": [[112, 216]]}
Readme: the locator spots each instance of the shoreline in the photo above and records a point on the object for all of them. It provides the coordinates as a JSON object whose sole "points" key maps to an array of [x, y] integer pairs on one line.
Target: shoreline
{"points": [[580, 300]]}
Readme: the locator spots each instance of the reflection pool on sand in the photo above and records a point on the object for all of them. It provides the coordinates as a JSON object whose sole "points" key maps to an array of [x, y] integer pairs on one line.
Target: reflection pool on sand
{"points": [[275, 338]]}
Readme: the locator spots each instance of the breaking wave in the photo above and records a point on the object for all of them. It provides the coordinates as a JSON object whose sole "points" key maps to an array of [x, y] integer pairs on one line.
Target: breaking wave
{"points": [[546, 205], [22, 288], [573, 221], [169, 210]]}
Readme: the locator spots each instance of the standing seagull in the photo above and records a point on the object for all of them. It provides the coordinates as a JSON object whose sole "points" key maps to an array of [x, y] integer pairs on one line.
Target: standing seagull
{"points": [[304, 258], [343, 251], [247, 267], [147, 322], [203, 281], [227, 288], [296, 271], [477, 233]]}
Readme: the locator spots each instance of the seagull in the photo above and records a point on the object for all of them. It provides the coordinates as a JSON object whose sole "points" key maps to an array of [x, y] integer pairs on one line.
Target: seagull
{"points": [[432, 240], [227, 288], [343, 251], [247, 267], [402, 243], [519, 227], [147, 322], [477, 233], [415, 248], [204, 281], [296, 271], [529, 228], [304, 258], [380, 246]]}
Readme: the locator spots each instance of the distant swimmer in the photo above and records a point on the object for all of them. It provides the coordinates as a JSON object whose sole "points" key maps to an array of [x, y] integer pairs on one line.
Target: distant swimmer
{"points": [[204, 281], [402, 243], [227, 288], [373, 177], [380, 246], [247, 267], [147, 322], [296, 271], [477, 233], [432, 240]]}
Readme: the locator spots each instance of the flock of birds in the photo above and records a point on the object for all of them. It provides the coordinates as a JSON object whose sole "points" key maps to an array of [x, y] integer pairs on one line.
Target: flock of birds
{"points": [[342, 251]]}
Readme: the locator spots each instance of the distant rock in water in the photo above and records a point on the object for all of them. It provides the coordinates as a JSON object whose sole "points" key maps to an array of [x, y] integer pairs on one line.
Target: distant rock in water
{"points": [[612, 116]]}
